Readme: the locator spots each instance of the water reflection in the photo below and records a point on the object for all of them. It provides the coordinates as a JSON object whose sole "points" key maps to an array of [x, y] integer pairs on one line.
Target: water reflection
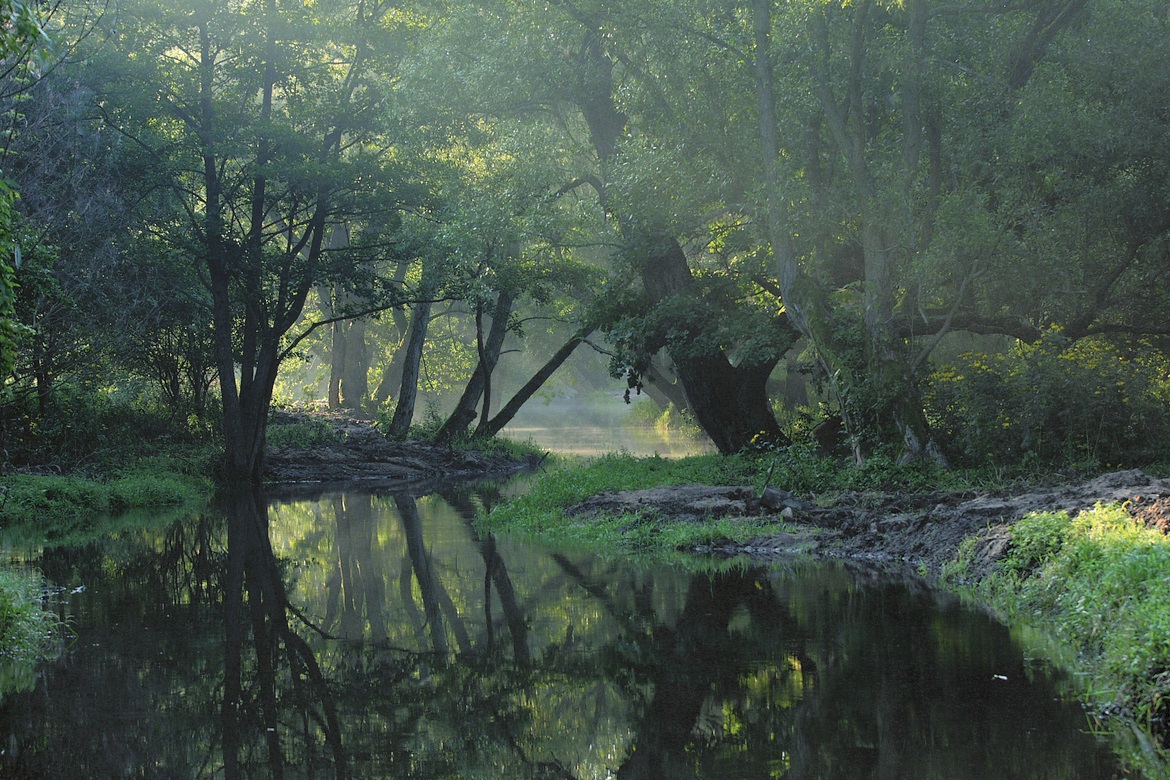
{"points": [[360, 635]]}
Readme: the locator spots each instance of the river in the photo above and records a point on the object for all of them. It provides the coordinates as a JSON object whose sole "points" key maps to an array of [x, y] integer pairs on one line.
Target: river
{"points": [[382, 636]]}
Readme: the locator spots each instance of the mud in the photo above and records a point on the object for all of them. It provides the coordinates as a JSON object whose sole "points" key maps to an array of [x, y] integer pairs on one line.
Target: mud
{"points": [[900, 529], [364, 455]]}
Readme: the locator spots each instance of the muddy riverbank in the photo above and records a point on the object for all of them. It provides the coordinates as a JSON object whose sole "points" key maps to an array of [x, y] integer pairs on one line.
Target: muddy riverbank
{"points": [[897, 529]]}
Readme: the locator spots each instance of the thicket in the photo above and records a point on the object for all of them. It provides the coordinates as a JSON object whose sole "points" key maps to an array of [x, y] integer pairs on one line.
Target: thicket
{"points": [[1091, 402], [91, 452]]}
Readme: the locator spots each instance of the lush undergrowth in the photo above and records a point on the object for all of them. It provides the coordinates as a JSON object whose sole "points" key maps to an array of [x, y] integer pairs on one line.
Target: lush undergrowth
{"points": [[28, 631], [540, 512], [159, 481], [1098, 583]]}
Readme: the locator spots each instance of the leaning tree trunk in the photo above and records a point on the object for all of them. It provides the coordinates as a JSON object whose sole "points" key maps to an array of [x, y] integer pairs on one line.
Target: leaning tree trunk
{"points": [[489, 354], [488, 428], [729, 402], [412, 360], [660, 388]]}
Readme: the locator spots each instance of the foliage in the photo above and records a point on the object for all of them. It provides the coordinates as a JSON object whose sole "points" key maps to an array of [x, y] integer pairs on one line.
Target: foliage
{"points": [[1056, 402], [27, 630], [88, 428], [11, 330], [306, 432]]}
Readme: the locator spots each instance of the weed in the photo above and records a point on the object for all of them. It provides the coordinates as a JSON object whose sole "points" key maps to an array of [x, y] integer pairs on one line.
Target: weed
{"points": [[27, 630]]}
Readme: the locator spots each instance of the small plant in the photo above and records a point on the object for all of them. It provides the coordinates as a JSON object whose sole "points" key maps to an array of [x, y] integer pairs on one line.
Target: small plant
{"points": [[305, 432], [28, 631]]}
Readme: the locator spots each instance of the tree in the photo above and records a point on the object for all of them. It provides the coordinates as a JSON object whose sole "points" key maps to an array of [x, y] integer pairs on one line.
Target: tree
{"points": [[21, 37], [258, 112], [573, 61]]}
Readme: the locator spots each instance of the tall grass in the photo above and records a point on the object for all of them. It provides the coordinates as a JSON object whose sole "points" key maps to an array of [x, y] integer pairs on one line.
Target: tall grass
{"points": [[28, 632]]}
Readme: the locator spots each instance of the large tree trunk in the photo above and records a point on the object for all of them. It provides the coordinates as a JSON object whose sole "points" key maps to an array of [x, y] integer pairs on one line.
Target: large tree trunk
{"points": [[661, 389], [729, 402]]}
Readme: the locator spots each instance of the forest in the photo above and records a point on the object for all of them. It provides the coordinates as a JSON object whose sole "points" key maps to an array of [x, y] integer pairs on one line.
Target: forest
{"points": [[922, 229], [902, 262]]}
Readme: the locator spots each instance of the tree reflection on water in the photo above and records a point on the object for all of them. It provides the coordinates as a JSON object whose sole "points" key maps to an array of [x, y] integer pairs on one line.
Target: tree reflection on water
{"points": [[363, 635]]}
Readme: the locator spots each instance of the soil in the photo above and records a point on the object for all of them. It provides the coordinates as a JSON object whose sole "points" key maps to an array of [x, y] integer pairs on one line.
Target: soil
{"points": [[365, 456], [902, 530], [896, 529]]}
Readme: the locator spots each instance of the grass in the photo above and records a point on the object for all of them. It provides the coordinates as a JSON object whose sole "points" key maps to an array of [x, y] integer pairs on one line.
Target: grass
{"points": [[1098, 582], [51, 499], [28, 632], [306, 432], [540, 513]]}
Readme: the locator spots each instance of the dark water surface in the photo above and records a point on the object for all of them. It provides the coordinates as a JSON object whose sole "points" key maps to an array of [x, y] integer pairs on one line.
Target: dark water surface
{"points": [[375, 636]]}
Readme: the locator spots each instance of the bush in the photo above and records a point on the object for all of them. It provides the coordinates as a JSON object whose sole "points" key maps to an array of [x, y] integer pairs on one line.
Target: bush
{"points": [[93, 430], [1088, 402]]}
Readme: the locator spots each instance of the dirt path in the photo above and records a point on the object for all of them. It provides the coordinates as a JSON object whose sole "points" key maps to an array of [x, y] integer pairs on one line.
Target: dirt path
{"points": [[901, 530]]}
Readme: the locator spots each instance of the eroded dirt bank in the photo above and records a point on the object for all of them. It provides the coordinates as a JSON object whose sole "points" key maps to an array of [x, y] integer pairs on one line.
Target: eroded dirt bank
{"points": [[363, 454], [902, 530], [897, 529]]}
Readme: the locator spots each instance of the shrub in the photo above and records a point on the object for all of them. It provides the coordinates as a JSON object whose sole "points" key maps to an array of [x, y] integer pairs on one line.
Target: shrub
{"points": [[1087, 402]]}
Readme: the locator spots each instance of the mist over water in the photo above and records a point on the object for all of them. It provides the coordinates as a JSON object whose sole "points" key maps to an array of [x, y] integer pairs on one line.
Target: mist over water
{"points": [[596, 426]]}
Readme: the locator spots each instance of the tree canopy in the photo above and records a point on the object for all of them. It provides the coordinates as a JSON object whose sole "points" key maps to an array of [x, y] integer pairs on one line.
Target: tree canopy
{"points": [[931, 216]]}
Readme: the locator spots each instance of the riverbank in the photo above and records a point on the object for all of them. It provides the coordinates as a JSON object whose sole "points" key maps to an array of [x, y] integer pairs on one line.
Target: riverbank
{"points": [[1083, 561]]}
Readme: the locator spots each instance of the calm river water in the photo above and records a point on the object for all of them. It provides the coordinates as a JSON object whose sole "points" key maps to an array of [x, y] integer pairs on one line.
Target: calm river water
{"points": [[381, 636]]}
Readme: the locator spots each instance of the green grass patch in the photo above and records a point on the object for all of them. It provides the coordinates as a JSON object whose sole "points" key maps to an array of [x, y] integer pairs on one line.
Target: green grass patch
{"points": [[305, 432], [28, 632], [1098, 582], [540, 513], [48, 500]]}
